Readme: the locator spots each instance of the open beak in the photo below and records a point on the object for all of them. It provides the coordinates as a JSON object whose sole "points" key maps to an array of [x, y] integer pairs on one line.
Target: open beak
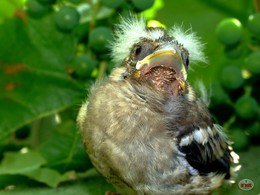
{"points": [[163, 58]]}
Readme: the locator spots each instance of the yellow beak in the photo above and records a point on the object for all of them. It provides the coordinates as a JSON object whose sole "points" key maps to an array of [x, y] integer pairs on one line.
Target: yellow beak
{"points": [[168, 58]]}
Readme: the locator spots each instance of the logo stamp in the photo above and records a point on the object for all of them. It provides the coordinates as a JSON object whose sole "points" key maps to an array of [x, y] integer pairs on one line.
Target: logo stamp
{"points": [[246, 184]]}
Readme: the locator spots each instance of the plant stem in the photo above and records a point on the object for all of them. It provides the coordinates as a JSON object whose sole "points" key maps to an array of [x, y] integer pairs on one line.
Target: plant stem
{"points": [[95, 8], [102, 70]]}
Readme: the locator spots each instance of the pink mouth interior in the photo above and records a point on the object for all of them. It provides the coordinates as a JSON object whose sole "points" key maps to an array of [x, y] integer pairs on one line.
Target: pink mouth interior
{"points": [[161, 75], [164, 79], [164, 72]]}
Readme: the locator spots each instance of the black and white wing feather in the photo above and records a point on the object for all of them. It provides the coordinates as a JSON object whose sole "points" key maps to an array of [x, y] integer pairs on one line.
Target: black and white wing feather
{"points": [[206, 151]]}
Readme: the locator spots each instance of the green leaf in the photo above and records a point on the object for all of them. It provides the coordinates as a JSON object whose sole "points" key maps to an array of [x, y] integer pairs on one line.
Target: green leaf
{"points": [[90, 173], [18, 45], [31, 43], [52, 49], [64, 150], [93, 186], [28, 95], [30, 164], [21, 163], [33, 73], [46, 175], [15, 180], [8, 7]]}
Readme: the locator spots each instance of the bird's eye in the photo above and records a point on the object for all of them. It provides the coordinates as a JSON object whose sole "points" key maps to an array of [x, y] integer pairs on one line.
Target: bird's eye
{"points": [[138, 50], [185, 59]]}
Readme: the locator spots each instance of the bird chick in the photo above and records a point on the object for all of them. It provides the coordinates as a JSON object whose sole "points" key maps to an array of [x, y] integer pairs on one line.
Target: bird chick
{"points": [[143, 127]]}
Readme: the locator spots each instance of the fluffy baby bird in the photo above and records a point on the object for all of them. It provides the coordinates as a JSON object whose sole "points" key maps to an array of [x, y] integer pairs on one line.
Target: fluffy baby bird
{"points": [[143, 127]]}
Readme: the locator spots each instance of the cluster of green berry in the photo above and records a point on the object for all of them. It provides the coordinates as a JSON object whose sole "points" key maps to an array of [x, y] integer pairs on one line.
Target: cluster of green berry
{"points": [[66, 18], [91, 22], [236, 98]]}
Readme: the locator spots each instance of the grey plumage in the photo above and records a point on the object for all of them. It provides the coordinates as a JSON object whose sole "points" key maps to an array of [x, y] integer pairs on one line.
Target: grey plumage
{"points": [[148, 134]]}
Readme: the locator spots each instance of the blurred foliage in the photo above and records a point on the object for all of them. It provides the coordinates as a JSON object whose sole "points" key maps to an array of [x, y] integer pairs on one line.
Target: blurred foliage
{"points": [[53, 50]]}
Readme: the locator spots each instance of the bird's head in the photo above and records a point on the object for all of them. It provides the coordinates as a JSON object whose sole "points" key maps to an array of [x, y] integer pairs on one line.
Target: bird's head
{"points": [[155, 56]]}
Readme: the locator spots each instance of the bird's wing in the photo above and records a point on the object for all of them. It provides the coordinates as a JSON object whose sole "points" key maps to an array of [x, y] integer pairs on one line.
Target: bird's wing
{"points": [[206, 151]]}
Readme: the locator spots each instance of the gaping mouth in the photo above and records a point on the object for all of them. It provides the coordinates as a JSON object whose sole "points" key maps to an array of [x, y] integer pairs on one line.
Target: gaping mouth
{"points": [[164, 69], [165, 59]]}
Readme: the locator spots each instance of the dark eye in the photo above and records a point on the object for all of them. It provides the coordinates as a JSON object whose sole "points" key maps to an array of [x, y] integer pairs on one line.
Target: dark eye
{"points": [[185, 59], [138, 50]]}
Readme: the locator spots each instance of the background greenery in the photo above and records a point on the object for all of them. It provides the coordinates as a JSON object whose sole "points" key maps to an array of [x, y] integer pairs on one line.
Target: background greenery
{"points": [[53, 50]]}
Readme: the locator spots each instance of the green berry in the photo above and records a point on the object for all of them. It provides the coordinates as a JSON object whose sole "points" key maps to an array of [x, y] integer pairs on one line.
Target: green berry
{"points": [[99, 38], [231, 77], [254, 23], [246, 107], [240, 139], [112, 3], [229, 31], [36, 9], [252, 62], [142, 4], [84, 65], [67, 18]]}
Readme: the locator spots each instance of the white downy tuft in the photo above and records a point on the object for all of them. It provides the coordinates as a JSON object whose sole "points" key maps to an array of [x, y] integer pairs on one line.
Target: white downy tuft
{"points": [[132, 30], [191, 42], [129, 32]]}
